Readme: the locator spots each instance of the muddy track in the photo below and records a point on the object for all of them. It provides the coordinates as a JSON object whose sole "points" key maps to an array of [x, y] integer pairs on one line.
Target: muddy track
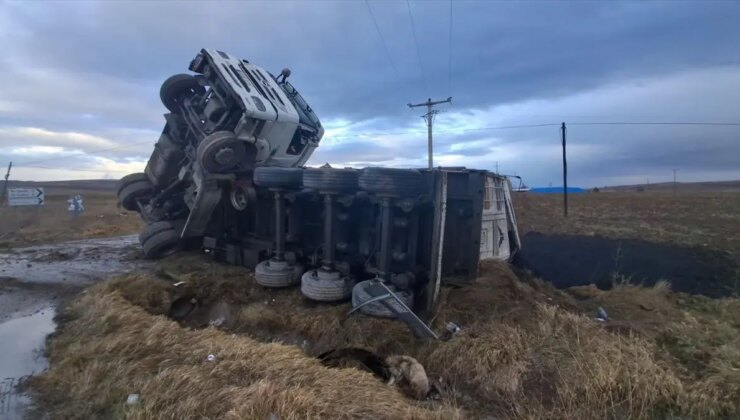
{"points": [[34, 281]]}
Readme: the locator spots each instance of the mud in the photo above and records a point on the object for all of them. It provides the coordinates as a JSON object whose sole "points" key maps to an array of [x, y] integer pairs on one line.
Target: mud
{"points": [[571, 260], [22, 355], [34, 281]]}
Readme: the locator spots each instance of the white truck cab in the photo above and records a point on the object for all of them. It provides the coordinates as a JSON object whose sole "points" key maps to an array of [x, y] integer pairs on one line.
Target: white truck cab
{"points": [[275, 119]]}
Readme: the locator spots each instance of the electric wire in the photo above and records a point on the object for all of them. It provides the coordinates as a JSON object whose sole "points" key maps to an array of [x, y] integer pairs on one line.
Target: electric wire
{"points": [[449, 54], [657, 123], [92, 152], [59, 168], [382, 40], [520, 126], [416, 44]]}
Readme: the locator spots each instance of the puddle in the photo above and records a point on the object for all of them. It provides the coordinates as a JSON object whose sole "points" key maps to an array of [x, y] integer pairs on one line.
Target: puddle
{"points": [[21, 354], [570, 260], [82, 262]]}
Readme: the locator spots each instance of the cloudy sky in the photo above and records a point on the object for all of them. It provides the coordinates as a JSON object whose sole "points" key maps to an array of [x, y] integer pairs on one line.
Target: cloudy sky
{"points": [[80, 82]]}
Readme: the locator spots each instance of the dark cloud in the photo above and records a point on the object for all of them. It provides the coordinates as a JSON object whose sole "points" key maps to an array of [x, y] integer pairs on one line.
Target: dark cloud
{"points": [[95, 69]]}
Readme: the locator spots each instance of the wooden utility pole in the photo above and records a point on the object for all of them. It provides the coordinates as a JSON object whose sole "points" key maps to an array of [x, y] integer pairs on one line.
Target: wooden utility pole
{"points": [[429, 118], [565, 174], [5, 185]]}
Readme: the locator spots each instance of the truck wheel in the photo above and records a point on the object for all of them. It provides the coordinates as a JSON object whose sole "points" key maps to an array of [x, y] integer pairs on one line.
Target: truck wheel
{"points": [[331, 180], [326, 286], [391, 181], [272, 177], [177, 87], [160, 239], [377, 309], [272, 273], [133, 187], [221, 152]]}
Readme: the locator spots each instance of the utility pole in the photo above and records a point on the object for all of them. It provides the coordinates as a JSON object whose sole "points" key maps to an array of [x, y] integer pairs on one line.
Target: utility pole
{"points": [[5, 185], [674, 180], [565, 174], [429, 118]]}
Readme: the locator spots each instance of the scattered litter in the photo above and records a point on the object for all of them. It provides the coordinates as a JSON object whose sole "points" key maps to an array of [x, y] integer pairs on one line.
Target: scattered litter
{"points": [[451, 330], [132, 399], [222, 315], [645, 307], [602, 315], [211, 358], [179, 283]]}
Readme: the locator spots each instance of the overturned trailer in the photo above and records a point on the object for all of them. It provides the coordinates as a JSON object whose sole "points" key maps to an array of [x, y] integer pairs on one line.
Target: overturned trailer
{"points": [[227, 176]]}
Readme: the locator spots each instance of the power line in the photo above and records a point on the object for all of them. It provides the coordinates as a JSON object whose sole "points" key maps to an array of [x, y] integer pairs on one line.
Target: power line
{"points": [[449, 54], [92, 152], [463, 130], [511, 127], [658, 123], [382, 40], [416, 43], [69, 169]]}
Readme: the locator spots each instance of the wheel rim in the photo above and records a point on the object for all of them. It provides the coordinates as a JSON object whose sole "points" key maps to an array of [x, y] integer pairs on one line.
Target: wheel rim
{"points": [[239, 198], [222, 154]]}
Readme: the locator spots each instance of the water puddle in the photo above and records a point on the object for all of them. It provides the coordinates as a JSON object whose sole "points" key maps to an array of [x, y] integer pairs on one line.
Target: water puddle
{"points": [[81, 262], [21, 355], [571, 260]]}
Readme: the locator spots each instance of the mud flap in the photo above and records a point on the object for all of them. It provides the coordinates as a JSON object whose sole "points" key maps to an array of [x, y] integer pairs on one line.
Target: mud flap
{"points": [[382, 294]]}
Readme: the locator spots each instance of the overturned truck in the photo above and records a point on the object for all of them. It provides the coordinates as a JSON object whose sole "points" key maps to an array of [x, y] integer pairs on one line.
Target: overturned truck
{"points": [[227, 175]]}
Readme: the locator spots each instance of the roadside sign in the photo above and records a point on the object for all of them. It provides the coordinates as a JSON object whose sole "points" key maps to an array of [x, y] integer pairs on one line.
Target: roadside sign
{"points": [[25, 197], [75, 206]]}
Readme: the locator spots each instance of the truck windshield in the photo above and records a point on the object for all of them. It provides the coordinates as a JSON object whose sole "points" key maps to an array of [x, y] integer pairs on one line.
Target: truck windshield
{"points": [[307, 116]]}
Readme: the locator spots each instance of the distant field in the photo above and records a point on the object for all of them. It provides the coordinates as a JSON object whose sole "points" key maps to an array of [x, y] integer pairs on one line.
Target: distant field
{"points": [[20, 226], [697, 219], [58, 187]]}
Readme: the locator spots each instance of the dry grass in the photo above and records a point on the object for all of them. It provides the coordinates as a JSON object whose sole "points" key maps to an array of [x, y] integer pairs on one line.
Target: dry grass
{"points": [[525, 351], [20, 226], [112, 348], [710, 220]]}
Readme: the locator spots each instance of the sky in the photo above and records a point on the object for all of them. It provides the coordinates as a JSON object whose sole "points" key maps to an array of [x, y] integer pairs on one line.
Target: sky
{"points": [[79, 92]]}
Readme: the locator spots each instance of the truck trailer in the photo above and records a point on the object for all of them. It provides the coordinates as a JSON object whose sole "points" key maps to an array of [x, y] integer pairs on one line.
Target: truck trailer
{"points": [[228, 176]]}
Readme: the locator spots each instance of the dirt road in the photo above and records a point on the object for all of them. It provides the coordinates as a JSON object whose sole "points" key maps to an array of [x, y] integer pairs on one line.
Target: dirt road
{"points": [[33, 283]]}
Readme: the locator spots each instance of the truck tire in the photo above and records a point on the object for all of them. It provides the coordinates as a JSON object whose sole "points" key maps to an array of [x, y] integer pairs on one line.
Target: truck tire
{"points": [[377, 309], [160, 239], [220, 152], [133, 187], [276, 274], [392, 181], [272, 177], [176, 87], [331, 180], [326, 286]]}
